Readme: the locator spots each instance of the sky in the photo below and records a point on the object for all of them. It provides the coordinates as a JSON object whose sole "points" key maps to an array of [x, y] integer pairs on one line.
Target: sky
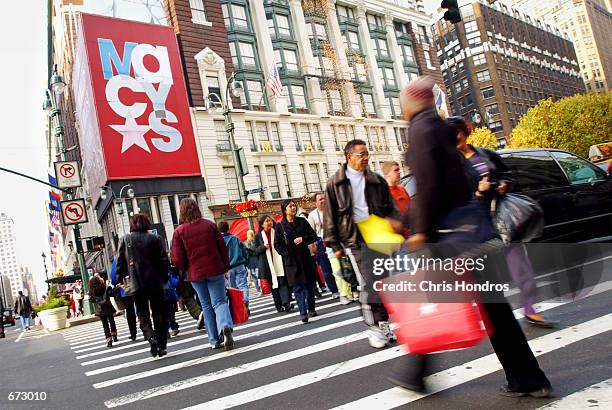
{"points": [[23, 72]]}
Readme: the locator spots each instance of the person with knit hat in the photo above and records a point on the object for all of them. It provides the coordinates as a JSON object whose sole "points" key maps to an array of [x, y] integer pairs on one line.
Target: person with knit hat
{"points": [[436, 214]]}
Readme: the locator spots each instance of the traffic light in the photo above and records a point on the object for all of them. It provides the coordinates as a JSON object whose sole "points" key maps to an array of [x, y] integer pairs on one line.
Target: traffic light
{"points": [[452, 13]]}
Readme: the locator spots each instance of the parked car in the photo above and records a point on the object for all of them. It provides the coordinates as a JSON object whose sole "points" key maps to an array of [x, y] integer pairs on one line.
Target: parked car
{"points": [[575, 194], [8, 318]]}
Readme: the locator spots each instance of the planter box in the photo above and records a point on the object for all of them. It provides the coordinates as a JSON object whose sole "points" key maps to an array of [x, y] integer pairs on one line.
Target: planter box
{"points": [[54, 319]]}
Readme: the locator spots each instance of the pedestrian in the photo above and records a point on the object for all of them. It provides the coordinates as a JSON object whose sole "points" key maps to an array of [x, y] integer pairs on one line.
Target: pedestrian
{"points": [[23, 308], [352, 195], [100, 294], [238, 256], [443, 192], [293, 235], [171, 296], [143, 255], [126, 301], [391, 172], [77, 295], [490, 179], [315, 219], [271, 264], [198, 248], [253, 261]]}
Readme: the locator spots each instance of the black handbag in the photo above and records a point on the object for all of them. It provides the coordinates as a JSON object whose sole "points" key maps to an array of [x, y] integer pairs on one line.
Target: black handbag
{"points": [[517, 218], [131, 281], [347, 272], [119, 300]]}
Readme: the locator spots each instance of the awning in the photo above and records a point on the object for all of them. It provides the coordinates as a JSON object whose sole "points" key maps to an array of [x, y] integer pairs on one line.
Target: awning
{"points": [[64, 279]]}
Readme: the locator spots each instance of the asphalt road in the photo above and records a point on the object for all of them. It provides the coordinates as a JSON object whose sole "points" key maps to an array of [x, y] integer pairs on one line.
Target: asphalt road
{"points": [[280, 363]]}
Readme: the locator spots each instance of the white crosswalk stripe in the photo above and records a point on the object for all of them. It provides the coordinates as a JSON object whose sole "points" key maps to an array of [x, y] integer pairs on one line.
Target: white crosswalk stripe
{"points": [[274, 342]]}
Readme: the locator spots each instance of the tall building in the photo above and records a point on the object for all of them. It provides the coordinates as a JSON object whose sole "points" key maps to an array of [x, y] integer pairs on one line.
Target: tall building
{"points": [[342, 65], [499, 62], [5, 291], [8, 256], [589, 23], [27, 280]]}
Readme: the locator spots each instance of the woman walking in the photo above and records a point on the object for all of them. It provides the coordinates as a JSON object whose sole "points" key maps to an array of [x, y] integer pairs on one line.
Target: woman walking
{"points": [[199, 249], [100, 295], [271, 264], [142, 268], [253, 261], [292, 238]]}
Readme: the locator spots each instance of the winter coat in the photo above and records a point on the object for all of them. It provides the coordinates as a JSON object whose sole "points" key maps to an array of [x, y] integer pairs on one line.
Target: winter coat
{"points": [[199, 249], [267, 256], [253, 261], [23, 306], [438, 169], [102, 304], [298, 264], [339, 228], [150, 260], [236, 250]]}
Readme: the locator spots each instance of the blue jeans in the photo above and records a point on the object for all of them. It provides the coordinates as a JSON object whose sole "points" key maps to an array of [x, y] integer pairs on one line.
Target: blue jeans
{"points": [[253, 272], [325, 265], [217, 315], [238, 278], [25, 321], [305, 297]]}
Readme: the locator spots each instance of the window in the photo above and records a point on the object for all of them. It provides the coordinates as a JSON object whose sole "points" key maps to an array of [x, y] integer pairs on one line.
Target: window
{"points": [[534, 170], [198, 12], [352, 40], [471, 26], [255, 93], [395, 105], [335, 102], [231, 183], [247, 54], [488, 92], [303, 175], [483, 75], [291, 60], [375, 21], [298, 97], [474, 42], [383, 48], [428, 60], [223, 143], [390, 78], [578, 171], [345, 13], [492, 109], [286, 180], [408, 53], [479, 59], [368, 102], [239, 16], [315, 185], [496, 126], [307, 143], [251, 136], [143, 206], [260, 183], [283, 25], [273, 187]]}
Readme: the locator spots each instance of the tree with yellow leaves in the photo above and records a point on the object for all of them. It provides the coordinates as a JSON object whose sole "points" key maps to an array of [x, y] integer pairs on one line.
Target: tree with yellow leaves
{"points": [[572, 124], [482, 137]]}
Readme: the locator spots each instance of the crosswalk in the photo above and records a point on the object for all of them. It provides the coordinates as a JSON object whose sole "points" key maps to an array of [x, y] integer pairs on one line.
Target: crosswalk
{"points": [[35, 332], [278, 360]]}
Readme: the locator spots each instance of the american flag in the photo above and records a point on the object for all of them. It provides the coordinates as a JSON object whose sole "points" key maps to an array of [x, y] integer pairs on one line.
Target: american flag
{"points": [[274, 81]]}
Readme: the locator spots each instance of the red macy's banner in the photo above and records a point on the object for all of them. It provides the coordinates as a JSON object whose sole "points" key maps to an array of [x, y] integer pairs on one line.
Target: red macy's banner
{"points": [[132, 103]]}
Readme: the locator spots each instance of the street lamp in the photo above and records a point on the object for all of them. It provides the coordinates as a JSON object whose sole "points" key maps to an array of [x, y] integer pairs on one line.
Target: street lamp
{"points": [[130, 194], [50, 105], [211, 106], [44, 257]]}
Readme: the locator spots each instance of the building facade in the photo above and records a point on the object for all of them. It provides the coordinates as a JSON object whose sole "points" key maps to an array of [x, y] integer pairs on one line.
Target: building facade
{"points": [[499, 62], [28, 286], [589, 24], [341, 64], [5, 291], [9, 267]]}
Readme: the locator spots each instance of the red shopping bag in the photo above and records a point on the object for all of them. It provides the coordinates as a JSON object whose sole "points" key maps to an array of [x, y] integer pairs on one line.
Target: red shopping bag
{"points": [[427, 325], [236, 304], [265, 286], [320, 273]]}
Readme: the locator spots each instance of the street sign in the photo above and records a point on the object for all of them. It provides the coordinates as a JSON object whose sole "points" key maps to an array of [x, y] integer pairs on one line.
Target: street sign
{"points": [[256, 190], [73, 211], [67, 174]]}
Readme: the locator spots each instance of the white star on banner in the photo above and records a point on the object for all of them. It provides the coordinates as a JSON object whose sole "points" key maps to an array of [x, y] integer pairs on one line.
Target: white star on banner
{"points": [[133, 134], [428, 308]]}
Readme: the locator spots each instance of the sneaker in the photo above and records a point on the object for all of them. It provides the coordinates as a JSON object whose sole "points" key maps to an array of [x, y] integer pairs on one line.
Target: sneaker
{"points": [[229, 339], [313, 314], [355, 296], [153, 343], [539, 393], [304, 318], [377, 338], [201, 321], [386, 329], [175, 332], [335, 295], [217, 346], [345, 301]]}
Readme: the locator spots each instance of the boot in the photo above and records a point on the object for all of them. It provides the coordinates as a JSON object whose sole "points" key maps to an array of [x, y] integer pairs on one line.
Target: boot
{"points": [[115, 337], [109, 342]]}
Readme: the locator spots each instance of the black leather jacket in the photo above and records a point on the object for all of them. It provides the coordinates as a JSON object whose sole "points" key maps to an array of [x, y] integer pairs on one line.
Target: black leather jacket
{"points": [[340, 231], [150, 259]]}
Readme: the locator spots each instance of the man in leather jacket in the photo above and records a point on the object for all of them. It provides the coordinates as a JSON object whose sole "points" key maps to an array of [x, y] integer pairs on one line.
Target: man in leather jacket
{"points": [[352, 195]]}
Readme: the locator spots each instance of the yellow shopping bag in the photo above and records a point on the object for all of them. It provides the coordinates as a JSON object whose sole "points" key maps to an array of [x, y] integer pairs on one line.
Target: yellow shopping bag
{"points": [[379, 235]]}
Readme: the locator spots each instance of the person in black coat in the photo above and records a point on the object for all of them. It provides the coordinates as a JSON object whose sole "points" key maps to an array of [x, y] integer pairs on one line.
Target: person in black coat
{"points": [[144, 255], [100, 295], [270, 264], [293, 236]]}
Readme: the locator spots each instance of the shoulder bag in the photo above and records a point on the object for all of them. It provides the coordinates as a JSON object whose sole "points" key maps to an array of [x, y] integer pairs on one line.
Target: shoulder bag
{"points": [[131, 281]]}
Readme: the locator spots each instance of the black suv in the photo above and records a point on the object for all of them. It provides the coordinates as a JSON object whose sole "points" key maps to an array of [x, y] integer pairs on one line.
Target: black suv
{"points": [[575, 194]]}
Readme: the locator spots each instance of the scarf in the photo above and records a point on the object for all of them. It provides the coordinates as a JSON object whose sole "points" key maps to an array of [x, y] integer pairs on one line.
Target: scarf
{"points": [[275, 261]]}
